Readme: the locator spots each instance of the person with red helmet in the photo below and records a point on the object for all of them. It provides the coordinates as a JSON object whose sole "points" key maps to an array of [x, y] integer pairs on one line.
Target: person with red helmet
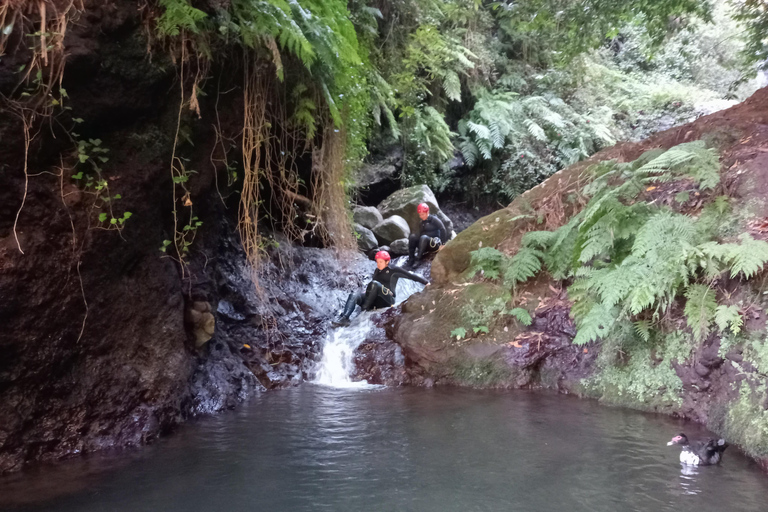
{"points": [[380, 292], [431, 236]]}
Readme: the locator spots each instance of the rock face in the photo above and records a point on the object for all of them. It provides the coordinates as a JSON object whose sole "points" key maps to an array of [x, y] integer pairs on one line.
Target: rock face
{"points": [[104, 342], [380, 177], [367, 216], [391, 229], [404, 202], [366, 239]]}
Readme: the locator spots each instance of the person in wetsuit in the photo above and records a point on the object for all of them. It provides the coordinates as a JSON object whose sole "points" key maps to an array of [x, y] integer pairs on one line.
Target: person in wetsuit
{"points": [[431, 237], [380, 292]]}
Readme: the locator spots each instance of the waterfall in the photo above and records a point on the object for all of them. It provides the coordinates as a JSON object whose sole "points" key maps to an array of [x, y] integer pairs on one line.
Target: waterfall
{"points": [[337, 362]]}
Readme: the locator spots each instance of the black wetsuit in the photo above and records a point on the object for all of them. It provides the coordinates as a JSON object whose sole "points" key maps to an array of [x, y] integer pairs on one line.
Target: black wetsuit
{"points": [[380, 292], [431, 236]]}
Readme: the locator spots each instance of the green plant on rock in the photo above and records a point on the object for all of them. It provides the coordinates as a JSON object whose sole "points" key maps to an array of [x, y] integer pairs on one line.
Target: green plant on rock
{"points": [[629, 258], [91, 156]]}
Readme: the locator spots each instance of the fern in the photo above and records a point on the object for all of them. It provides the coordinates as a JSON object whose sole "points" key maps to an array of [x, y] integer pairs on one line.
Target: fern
{"points": [[524, 265], [179, 15], [642, 329], [728, 317], [487, 260], [522, 316], [747, 258], [700, 308], [596, 324]]}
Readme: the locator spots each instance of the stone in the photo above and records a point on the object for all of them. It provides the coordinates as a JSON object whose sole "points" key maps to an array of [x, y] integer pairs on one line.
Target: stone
{"points": [[404, 202], [391, 228], [366, 240], [399, 247], [367, 216], [201, 321], [384, 168]]}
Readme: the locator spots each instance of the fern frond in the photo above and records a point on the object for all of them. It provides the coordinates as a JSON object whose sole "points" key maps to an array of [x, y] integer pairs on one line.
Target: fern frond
{"points": [[642, 329], [535, 130], [524, 265], [452, 85], [522, 316], [596, 324], [728, 316], [749, 257], [700, 309]]}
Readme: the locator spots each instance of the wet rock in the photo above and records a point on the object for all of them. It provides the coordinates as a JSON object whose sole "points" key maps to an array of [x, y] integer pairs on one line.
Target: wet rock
{"points": [[367, 216], [380, 177], [399, 247], [379, 360], [392, 228], [226, 309], [366, 240], [404, 202]]}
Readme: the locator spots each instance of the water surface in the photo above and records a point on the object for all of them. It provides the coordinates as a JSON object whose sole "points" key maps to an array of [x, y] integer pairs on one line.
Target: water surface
{"points": [[317, 448]]}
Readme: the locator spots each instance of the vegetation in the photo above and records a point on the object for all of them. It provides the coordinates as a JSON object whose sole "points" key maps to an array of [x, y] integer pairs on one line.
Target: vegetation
{"points": [[648, 281]]}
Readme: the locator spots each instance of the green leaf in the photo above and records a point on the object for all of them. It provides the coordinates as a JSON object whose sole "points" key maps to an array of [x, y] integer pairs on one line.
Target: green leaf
{"points": [[83, 158], [522, 315], [459, 332], [729, 316], [481, 328], [102, 217], [700, 309]]}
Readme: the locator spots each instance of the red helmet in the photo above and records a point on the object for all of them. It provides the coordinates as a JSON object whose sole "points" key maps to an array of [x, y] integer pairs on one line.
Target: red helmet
{"points": [[423, 208], [382, 255]]}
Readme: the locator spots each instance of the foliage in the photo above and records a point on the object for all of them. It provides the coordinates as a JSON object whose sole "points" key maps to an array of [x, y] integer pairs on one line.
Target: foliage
{"points": [[643, 373], [91, 156], [629, 259]]}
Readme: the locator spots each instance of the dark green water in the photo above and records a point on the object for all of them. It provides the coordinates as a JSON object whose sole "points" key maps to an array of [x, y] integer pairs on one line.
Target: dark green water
{"points": [[315, 448]]}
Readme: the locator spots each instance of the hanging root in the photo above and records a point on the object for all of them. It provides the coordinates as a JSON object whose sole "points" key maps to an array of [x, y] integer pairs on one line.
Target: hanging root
{"points": [[328, 173], [254, 135]]}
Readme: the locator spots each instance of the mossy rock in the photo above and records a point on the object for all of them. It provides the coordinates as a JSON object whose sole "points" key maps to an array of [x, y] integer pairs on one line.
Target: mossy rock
{"points": [[489, 231]]}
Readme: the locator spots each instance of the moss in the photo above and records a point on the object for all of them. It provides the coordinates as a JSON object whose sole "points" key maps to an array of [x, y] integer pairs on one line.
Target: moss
{"points": [[486, 232], [722, 137], [481, 373], [745, 420], [647, 380]]}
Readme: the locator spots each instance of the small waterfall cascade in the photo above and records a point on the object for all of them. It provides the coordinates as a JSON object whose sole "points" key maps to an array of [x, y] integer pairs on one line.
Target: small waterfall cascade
{"points": [[337, 362]]}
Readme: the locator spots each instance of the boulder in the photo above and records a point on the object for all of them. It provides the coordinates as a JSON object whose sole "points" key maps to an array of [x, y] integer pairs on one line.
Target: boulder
{"points": [[391, 228], [380, 176], [366, 240], [399, 247], [404, 202], [367, 216]]}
